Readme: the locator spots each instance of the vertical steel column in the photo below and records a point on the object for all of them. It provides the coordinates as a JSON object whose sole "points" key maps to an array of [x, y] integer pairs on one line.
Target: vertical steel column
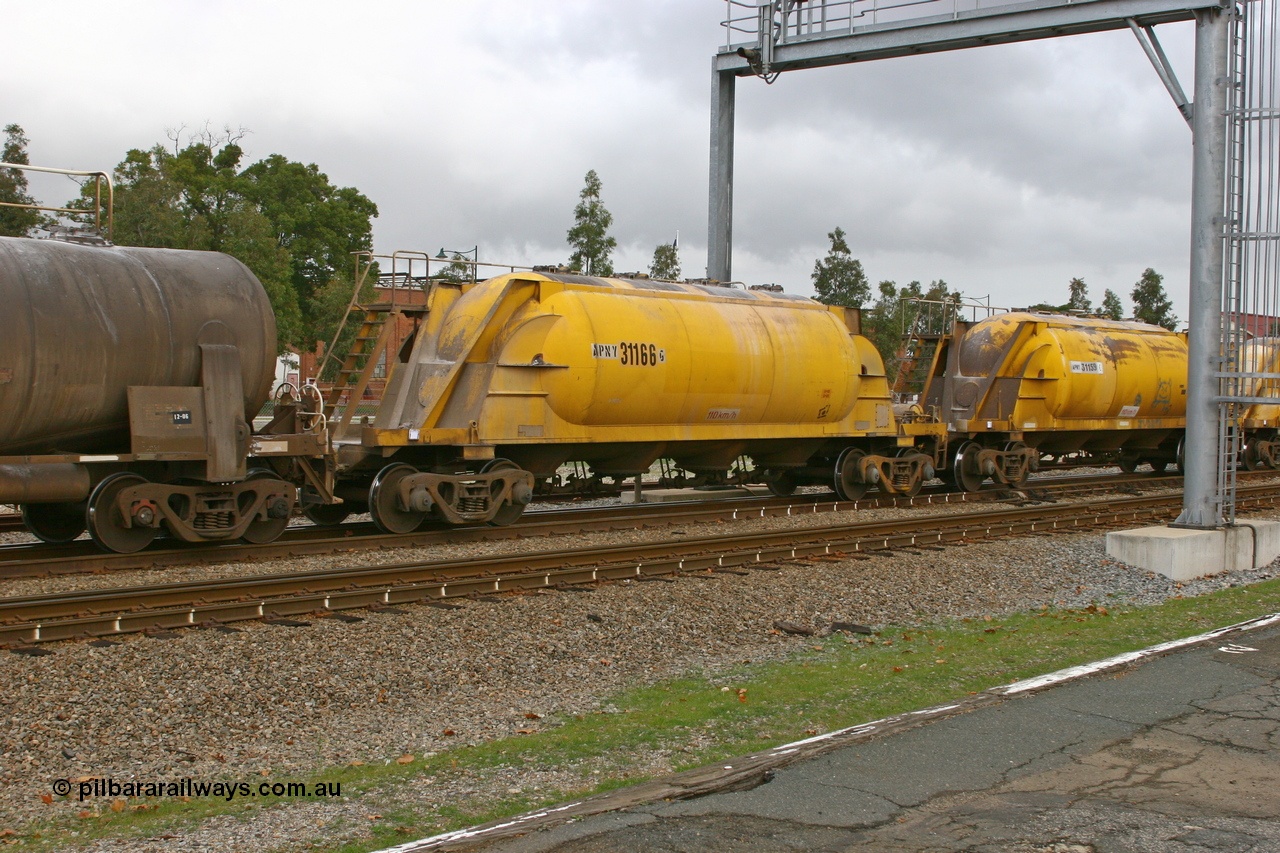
{"points": [[720, 216], [1200, 504]]}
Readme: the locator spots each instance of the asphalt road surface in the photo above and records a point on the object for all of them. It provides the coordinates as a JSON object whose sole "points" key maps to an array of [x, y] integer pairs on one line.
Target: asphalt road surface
{"points": [[1177, 753]]}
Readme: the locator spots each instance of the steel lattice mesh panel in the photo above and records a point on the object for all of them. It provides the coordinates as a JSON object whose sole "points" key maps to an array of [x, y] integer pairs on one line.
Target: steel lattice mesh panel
{"points": [[1251, 286]]}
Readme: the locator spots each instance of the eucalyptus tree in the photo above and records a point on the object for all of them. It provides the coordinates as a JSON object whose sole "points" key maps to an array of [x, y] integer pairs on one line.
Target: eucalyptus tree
{"points": [[589, 236], [17, 221], [1150, 303], [666, 262], [838, 278]]}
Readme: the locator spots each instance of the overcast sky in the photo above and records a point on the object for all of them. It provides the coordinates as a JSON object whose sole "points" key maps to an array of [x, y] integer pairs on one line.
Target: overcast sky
{"points": [[1004, 170]]}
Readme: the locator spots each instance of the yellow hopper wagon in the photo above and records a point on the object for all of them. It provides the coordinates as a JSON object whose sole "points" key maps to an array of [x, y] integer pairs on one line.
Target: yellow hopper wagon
{"points": [[1020, 387], [1259, 420], [507, 380]]}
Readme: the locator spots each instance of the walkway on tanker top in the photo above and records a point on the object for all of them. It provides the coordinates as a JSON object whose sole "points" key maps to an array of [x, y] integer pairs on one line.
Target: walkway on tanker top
{"points": [[1172, 750]]}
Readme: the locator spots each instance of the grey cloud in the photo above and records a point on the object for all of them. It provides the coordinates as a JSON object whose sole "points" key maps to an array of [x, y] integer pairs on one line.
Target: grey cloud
{"points": [[475, 123]]}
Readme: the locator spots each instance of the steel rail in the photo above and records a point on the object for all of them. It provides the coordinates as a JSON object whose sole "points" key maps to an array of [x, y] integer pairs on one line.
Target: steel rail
{"points": [[36, 560], [39, 560], [109, 612]]}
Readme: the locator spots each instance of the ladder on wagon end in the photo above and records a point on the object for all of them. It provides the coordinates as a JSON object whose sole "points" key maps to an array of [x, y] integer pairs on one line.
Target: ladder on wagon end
{"points": [[369, 352], [931, 323], [363, 359]]}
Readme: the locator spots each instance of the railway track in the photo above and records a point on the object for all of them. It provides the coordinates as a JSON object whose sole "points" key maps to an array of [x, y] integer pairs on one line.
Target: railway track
{"points": [[107, 612], [39, 560], [11, 521]]}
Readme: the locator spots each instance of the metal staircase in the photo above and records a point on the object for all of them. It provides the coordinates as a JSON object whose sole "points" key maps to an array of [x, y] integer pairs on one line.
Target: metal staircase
{"points": [[926, 336], [914, 359], [367, 357], [367, 351]]}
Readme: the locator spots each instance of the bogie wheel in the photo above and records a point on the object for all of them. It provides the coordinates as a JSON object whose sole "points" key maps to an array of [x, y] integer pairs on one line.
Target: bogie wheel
{"points": [[261, 531], [105, 522], [56, 524], [780, 483], [1252, 458], [384, 506], [918, 483], [510, 512], [849, 485], [1158, 466], [1128, 462], [327, 515], [1014, 446], [964, 469]]}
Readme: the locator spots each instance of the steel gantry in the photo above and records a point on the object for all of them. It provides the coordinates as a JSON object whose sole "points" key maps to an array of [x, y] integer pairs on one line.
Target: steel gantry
{"points": [[764, 39]]}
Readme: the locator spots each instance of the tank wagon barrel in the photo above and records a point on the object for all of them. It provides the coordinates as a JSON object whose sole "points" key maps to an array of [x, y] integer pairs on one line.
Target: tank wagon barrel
{"points": [[84, 323], [128, 381]]}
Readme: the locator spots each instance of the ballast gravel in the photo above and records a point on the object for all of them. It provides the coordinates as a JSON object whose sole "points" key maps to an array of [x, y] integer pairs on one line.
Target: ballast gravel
{"points": [[279, 703]]}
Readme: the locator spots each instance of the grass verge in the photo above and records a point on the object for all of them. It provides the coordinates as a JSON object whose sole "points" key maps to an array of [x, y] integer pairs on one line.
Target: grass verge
{"points": [[828, 683]]}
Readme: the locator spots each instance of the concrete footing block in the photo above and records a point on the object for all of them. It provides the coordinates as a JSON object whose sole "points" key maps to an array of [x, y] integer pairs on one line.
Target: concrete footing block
{"points": [[1265, 535], [1184, 554]]}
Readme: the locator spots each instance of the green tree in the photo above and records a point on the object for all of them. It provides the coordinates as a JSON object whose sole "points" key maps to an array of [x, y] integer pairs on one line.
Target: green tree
{"points": [[1111, 305], [1150, 303], [666, 262], [320, 225], [283, 219], [1047, 308], [456, 270], [838, 279], [16, 221], [1079, 299], [940, 308], [147, 201], [194, 197], [589, 236], [882, 323], [897, 311]]}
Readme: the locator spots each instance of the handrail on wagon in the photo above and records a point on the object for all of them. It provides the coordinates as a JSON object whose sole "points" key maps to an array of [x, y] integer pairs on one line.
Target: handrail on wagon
{"points": [[99, 177], [402, 277]]}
